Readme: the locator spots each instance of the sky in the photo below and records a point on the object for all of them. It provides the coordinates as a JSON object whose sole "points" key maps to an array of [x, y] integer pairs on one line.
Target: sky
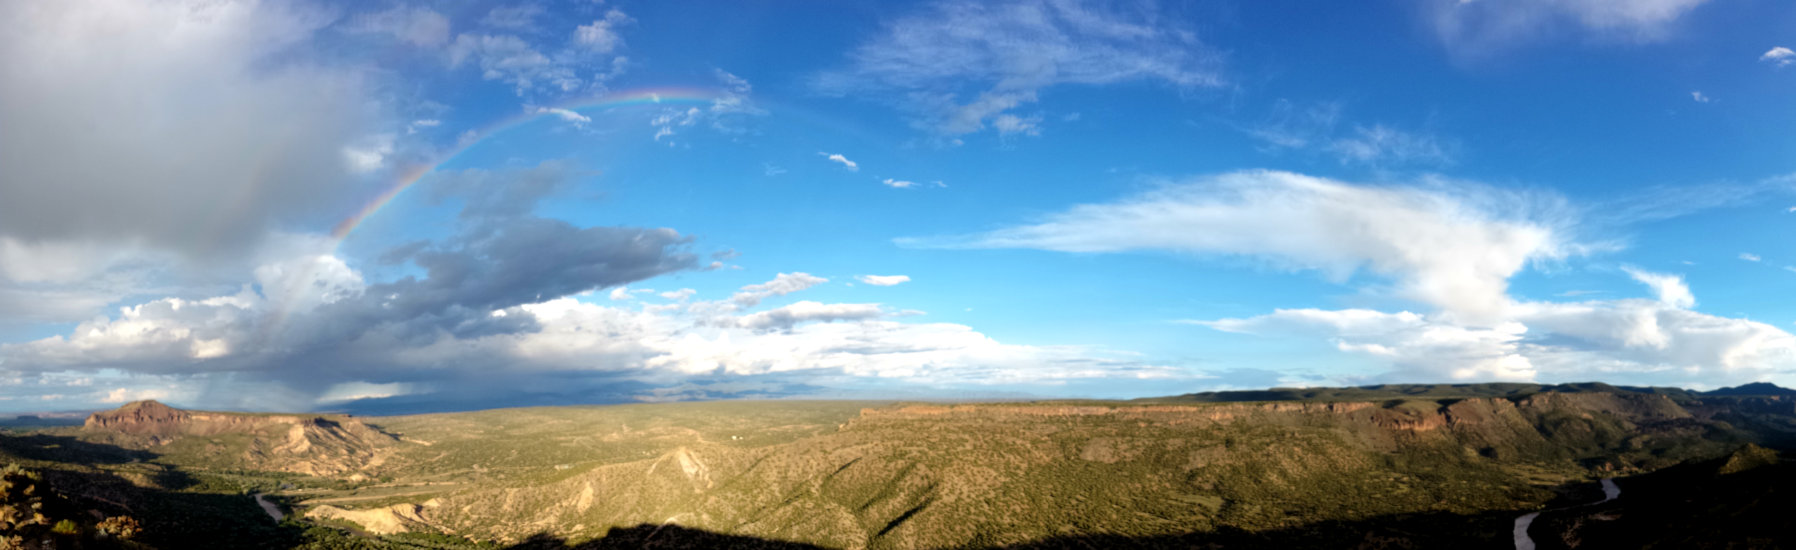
{"points": [[394, 207]]}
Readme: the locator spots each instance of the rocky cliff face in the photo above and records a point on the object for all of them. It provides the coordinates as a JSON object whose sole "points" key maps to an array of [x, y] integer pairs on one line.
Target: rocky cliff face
{"points": [[140, 418], [316, 445]]}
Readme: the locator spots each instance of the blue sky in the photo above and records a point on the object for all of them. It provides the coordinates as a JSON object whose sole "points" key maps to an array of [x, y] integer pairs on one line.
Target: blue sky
{"points": [[876, 199]]}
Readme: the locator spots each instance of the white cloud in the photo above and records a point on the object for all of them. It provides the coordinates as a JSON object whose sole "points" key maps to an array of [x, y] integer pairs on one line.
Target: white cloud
{"points": [[418, 26], [1007, 124], [835, 157], [1315, 127], [1380, 144], [1658, 341], [1779, 56], [1452, 246], [1415, 346], [722, 115], [601, 35], [1482, 27], [1750, 257], [516, 17], [1699, 97], [883, 280], [422, 123], [1670, 288], [510, 59], [1650, 341], [898, 184], [565, 114], [965, 65], [350, 391], [123, 395], [368, 154], [781, 285], [680, 295], [221, 345]]}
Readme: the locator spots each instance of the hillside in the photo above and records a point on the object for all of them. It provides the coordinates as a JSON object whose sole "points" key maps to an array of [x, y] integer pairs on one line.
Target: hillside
{"points": [[305, 444], [1394, 472]]}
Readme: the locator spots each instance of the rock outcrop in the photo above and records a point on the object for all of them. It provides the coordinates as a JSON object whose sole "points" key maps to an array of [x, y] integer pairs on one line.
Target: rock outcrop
{"points": [[315, 445]]}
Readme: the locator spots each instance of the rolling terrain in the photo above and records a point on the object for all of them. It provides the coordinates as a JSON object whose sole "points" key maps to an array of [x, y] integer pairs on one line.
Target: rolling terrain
{"points": [[1379, 467]]}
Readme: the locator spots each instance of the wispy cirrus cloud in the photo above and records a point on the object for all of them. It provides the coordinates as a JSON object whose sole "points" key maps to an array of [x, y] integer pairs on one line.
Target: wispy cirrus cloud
{"points": [[1319, 127], [419, 26], [883, 280], [966, 66], [1473, 29]]}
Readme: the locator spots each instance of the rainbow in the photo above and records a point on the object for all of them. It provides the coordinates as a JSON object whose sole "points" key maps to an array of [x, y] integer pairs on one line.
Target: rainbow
{"points": [[410, 175]]}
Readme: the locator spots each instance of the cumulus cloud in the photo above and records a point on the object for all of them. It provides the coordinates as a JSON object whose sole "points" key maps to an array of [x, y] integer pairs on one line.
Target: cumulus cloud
{"points": [[838, 158], [1452, 246], [1779, 56], [601, 36], [1483, 27], [898, 184], [883, 280], [517, 17], [1699, 97], [220, 348], [1413, 345], [583, 64], [1653, 341], [1670, 288], [509, 58], [964, 66]]}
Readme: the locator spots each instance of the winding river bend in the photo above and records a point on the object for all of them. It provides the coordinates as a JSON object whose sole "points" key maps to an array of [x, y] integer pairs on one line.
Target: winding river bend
{"points": [[1524, 542]]}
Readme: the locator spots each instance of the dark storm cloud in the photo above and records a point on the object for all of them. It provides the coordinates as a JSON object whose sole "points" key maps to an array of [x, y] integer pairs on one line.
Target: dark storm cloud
{"points": [[190, 130], [470, 287]]}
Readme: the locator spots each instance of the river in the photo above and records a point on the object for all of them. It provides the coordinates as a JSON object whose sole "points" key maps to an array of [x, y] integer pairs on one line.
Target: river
{"points": [[1524, 542]]}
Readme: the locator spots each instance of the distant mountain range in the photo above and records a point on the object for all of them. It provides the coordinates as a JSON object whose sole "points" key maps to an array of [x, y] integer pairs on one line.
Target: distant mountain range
{"points": [[1448, 391]]}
